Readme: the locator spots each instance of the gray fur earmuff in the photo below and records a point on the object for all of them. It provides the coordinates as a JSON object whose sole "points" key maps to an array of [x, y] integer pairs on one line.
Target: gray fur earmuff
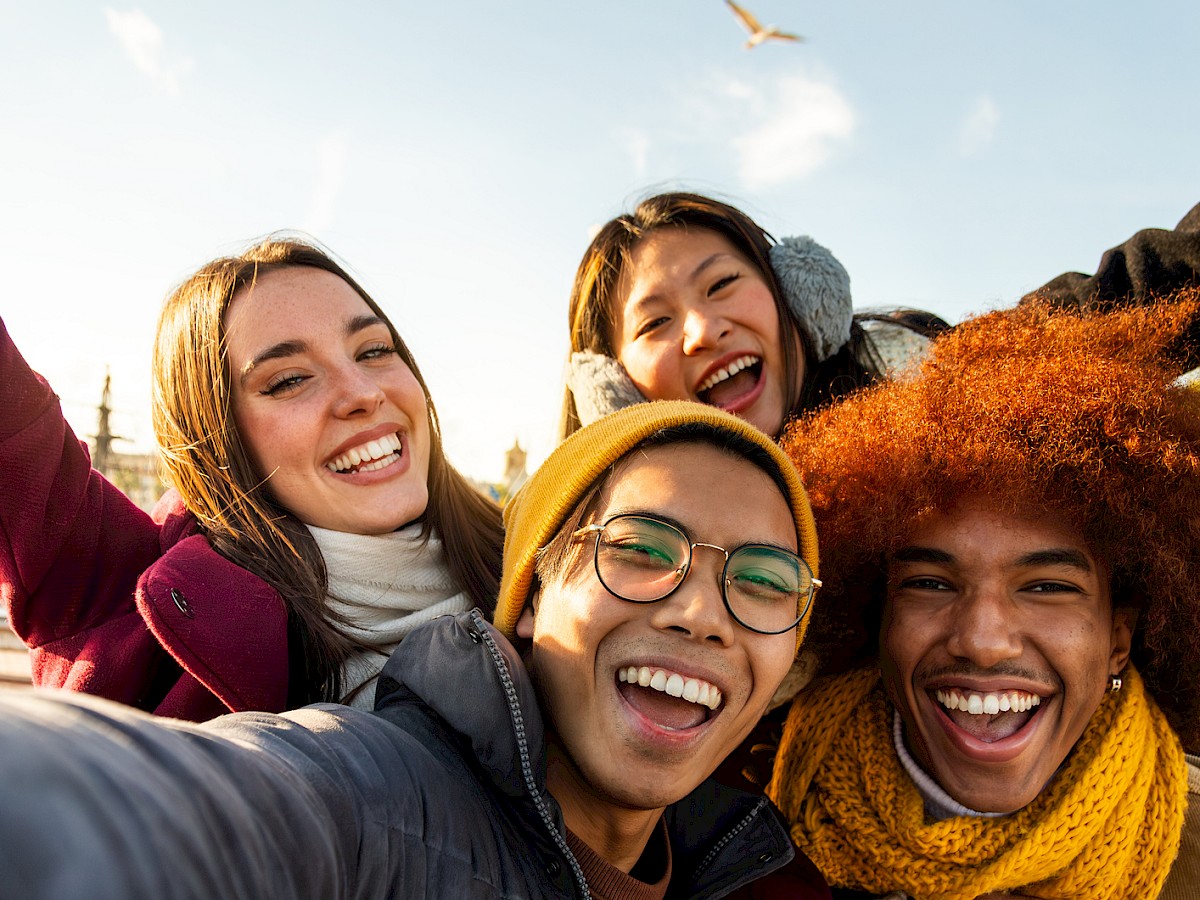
{"points": [[817, 290], [600, 385]]}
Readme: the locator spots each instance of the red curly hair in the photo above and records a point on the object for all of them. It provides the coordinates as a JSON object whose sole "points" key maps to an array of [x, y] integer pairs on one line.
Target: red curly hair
{"points": [[1078, 415]]}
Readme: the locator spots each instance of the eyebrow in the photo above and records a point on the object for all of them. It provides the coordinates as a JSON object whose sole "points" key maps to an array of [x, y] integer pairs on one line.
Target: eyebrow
{"points": [[707, 262], [292, 348], [922, 554], [1050, 557], [696, 272], [663, 517], [1056, 557]]}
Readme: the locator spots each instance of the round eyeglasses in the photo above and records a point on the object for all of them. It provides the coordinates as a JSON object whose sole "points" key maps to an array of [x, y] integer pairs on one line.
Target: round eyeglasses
{"points": [[643, 559]]}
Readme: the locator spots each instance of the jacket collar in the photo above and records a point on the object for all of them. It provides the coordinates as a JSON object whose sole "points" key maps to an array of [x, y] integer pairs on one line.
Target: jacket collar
{"points": [[470, 676]]}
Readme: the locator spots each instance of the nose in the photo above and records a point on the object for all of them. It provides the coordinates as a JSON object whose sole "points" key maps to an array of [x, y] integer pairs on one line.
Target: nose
{"points": [[355, 392], [697, 608], [702, 329], [984, 628]]}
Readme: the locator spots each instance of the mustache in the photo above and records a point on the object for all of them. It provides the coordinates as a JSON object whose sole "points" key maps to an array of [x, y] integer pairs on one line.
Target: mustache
{"points": [[1003, 669]]}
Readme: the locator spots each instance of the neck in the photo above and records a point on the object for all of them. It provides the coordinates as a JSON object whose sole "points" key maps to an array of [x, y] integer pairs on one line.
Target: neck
{"points": [[617, 833]]}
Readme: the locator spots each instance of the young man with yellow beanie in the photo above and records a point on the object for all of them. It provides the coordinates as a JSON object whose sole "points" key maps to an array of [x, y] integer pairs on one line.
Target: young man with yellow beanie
{"points": [[658, 576], [1013, 537]]}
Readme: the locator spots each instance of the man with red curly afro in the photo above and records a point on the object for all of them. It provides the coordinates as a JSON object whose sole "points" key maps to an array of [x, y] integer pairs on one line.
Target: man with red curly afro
{"points": [[1011, 540]]}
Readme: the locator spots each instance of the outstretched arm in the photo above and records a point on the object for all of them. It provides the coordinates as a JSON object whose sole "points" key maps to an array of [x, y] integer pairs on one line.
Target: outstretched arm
{"points": [[103, 801], [71, 544]]}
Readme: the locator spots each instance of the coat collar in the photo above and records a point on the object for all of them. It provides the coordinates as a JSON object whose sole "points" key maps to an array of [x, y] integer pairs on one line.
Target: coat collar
{"points": [[471, 677]]}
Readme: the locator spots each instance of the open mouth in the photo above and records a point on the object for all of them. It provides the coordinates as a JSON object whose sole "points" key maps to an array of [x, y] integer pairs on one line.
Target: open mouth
{"points": [[730, 383], [991, 716], [672, 700], [368, 457]]}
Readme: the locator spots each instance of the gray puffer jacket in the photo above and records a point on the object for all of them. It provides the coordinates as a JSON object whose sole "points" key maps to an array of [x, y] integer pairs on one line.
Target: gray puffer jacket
{"points": [[439, 793]]}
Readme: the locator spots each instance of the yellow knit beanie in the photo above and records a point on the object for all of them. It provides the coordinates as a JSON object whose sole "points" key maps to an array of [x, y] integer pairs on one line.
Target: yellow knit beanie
{"points": [[534, 515]]}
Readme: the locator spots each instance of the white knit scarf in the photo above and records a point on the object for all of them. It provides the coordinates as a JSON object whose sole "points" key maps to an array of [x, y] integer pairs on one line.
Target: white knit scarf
{"points": [[384, 586]]}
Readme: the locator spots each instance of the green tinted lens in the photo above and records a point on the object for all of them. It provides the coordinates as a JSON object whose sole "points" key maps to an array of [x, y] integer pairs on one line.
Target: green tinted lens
{"points": [[640, 559], [766, 586]]}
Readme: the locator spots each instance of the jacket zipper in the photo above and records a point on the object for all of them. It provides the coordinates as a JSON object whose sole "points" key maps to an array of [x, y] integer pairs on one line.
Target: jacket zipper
{"points": [[518, 721]]}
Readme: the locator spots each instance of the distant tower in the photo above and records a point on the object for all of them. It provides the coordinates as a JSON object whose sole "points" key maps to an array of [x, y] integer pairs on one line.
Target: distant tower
{"points": [[514, 468], [103, 456]]}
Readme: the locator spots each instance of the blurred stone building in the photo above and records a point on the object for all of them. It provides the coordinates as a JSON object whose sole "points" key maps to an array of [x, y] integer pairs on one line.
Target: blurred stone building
{"points": [[136, 474]]}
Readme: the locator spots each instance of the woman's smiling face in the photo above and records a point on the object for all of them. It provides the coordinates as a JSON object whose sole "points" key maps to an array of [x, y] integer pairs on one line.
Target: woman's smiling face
{"points": [[696, 320], [333, 420]]}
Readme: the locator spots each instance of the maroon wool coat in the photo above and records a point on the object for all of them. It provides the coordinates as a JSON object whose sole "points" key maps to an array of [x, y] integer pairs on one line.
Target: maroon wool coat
{"points": [[111, 600]]}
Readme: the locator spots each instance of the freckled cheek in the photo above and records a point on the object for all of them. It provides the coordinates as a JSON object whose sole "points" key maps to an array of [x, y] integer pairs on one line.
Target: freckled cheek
{"points": [[271, 443]]}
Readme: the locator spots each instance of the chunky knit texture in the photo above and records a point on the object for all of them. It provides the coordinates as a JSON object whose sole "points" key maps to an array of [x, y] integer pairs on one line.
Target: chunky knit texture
{"points": [[1107, 826]]}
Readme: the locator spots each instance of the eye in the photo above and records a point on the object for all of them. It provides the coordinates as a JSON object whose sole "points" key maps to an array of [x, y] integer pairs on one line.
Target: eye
{"points": [[923, 583], [283, 384], [762, 585], [721, 283], [640, 552], [377, 351], [650, 325], [1052, 587]]}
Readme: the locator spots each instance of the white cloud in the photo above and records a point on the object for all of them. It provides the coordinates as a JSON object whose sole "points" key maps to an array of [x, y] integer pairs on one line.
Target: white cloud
{"points": [[331, 170], [979, 127], [800, 121], [142, 42], [637, 145]]}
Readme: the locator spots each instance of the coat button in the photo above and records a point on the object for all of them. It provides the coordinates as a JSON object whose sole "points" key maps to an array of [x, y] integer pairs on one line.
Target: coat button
{"points": [[182, 603], [553, 869]]}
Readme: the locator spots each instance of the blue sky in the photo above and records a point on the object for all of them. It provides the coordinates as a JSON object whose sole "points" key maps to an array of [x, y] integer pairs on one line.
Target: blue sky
{"points": [[456, 155]]}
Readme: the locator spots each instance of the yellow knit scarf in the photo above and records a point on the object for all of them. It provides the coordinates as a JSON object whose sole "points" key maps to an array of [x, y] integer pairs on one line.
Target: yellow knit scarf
{"points": [[1107, 825]]}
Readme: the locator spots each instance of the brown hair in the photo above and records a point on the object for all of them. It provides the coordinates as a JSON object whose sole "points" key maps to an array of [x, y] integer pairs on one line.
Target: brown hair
{"points": [[206, 461], [595, 306], [1080, 416]]}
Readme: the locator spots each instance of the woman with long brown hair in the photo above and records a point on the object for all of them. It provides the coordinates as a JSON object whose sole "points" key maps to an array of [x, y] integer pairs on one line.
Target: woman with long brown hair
{"points": [[314, 520]]}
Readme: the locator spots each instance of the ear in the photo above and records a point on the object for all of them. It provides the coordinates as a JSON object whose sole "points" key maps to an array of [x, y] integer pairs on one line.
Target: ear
{"points": [[1124, 621], [524, 627]]}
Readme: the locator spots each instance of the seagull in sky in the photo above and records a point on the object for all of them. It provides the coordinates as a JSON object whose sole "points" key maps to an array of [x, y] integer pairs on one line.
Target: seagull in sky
{"points": [[758, 34]]}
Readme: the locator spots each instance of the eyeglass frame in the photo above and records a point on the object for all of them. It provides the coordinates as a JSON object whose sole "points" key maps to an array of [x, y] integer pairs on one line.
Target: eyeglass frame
{"points": [[598, 528]]}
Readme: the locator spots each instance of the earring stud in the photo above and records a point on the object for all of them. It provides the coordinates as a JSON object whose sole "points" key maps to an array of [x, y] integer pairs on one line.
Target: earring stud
{"points": [[1114, 684]]}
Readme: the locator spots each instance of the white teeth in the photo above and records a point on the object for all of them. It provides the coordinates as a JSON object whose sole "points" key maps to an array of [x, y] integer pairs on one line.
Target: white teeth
{"points": [[987, 704], [728, 372], [693, 690], [675, 685], [375, 454]]}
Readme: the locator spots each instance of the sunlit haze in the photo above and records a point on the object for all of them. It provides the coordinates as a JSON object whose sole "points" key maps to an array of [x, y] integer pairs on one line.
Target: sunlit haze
{"points": [[458, 155]]}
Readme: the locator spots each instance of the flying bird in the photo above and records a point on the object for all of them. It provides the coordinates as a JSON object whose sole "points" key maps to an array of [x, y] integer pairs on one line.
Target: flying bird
{"points": [[758, 33]]}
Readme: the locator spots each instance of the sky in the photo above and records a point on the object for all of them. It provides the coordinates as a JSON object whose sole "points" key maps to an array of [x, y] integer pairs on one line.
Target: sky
{"points": [[457, 156]]}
